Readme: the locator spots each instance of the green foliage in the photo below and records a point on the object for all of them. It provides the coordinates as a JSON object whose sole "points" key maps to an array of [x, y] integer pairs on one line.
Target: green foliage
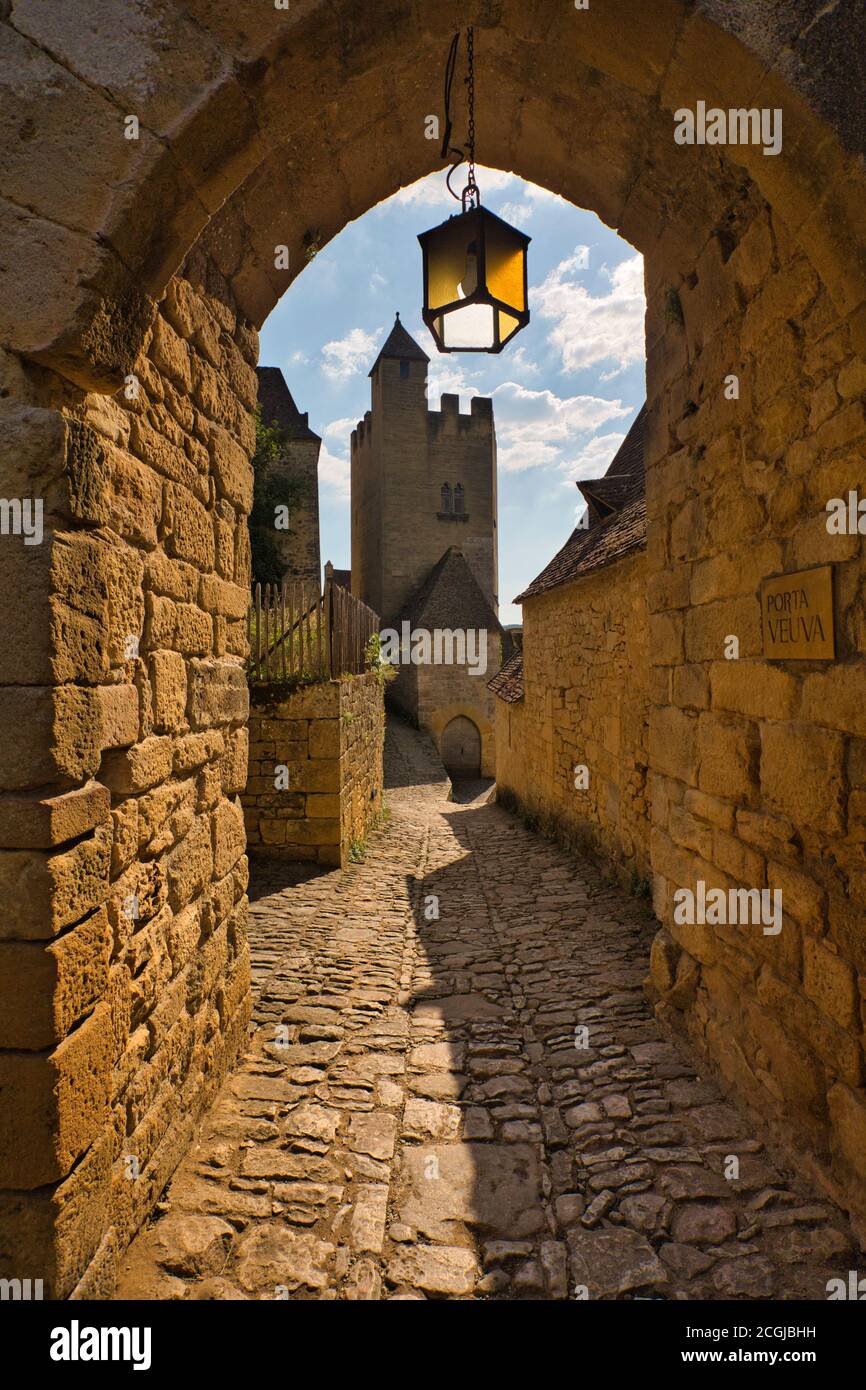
{"points": [[268, 494], [384, 671], [357, 852]]}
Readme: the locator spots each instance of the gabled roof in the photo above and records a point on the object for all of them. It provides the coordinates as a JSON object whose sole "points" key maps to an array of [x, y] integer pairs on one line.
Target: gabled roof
{"points": [[277, 404], [401, 344], [617, 505], [451, 597], [508, 681]]}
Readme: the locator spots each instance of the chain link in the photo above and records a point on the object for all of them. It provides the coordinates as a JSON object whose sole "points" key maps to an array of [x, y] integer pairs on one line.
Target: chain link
{"points": [[471, 186]]}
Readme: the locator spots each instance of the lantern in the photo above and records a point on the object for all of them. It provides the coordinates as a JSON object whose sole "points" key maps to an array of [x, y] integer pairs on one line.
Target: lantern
{"points": [[475, 295]]}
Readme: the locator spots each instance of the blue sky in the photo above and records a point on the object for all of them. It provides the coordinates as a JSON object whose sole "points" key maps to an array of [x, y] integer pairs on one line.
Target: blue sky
{"points": [[564, 391]]}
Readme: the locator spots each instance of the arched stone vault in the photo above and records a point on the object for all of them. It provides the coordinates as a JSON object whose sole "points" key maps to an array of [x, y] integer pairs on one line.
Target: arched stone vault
{"points": [[155, 257], [331, 98]]}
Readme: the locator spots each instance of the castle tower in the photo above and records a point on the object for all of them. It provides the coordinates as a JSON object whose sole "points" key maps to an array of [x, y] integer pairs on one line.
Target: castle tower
{"points": [[423, 481], [298, 548]]}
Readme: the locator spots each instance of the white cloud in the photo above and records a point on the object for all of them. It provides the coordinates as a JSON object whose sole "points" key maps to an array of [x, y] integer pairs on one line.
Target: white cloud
{"points": [[535, 428], [377, 281], [519, 362], [334, 474], [593, 459], [592, 329], [340, 429], [345, 356], [431, 190], [447, 378], [518, 214]]}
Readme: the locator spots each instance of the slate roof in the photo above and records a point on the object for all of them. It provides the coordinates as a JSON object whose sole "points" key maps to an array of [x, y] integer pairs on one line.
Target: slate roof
{"points": [[343, 578], [508, 681], [618, 532], [277, 404], [401, 344], [451, 597]]}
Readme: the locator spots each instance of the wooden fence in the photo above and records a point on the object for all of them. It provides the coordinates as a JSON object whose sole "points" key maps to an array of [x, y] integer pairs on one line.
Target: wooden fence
{"points": [[298, 633]]}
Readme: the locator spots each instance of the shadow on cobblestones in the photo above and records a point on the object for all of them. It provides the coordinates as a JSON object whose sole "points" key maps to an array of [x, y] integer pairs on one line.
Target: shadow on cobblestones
{"points": [[455, 1088]]}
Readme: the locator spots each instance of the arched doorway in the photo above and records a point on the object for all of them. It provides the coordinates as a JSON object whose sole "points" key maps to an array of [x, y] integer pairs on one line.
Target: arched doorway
{"points": [[461, 748], [162, 225]]}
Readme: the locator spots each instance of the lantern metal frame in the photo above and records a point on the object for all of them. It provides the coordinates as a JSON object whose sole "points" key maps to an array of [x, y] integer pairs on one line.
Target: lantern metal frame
{"points": [[477, 218]]}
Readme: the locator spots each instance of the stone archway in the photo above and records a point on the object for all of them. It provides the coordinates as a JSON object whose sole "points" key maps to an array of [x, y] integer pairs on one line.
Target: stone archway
{"points": [[127, 385], [461, 748]]}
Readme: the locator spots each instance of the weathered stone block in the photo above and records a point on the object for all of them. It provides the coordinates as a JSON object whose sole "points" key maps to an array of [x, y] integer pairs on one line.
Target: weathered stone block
{"points": [[228, 836], [138, 768], [118, 715], [168, 681], [831, 983], [801, 774], [34, 822], [42, 892], [60, 1101], [218, 693], [47, 989], [324, 738], [728, 754]]}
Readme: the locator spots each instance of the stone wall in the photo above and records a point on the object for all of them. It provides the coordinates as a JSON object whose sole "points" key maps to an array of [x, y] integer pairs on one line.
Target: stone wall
{"points": [[123, 958], [759, 767], [586, 683], [315, 772]]}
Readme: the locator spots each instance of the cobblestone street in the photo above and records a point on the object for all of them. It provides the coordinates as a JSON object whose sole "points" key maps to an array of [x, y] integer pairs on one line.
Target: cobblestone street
{"points": [[414, 1118]]}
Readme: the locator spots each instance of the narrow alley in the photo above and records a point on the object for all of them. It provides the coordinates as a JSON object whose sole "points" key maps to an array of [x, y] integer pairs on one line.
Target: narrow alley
{"points": [[455, 1088]]}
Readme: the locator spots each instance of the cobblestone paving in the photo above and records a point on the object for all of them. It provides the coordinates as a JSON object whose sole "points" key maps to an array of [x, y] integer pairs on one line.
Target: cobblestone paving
{"points": [[414, 1118]]}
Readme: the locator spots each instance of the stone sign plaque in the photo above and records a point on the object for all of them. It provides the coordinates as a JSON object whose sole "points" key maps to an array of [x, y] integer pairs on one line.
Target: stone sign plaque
{"points": [[797, 615]]}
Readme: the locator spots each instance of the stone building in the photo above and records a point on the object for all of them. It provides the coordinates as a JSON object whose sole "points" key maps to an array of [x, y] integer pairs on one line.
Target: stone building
{"points": [[424, 546], [573, 704], [297, 465]]}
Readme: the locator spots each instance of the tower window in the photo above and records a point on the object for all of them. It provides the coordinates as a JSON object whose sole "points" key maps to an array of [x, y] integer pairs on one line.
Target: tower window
{"points": [[446, 498], [458, 499], [404, 366]]}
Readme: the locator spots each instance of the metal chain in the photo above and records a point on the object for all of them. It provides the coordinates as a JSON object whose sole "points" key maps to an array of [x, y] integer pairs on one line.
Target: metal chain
{"points": [[470, 86]]}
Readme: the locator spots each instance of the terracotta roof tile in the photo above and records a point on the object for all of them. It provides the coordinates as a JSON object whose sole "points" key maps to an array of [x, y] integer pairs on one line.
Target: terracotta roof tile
{"points": [[508, 681]]}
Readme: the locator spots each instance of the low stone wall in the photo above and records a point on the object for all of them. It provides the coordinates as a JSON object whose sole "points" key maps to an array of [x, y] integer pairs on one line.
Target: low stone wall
{"points": [[315, 769], [586, 681]]}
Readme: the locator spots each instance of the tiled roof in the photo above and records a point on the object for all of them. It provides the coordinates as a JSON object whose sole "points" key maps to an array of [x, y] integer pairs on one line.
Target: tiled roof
{"points": [[508, 681], [451, 597], [278, 406], [619, 532], [399, 343]]}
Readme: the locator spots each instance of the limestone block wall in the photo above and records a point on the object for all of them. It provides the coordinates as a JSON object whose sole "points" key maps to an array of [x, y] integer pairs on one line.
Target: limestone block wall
{"points": [[315, 770], [124, 971], [586, 681], [758, 766]]}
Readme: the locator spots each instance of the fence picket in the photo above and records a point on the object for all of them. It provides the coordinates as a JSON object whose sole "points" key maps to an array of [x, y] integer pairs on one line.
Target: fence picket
{"points": [[296, 630]]}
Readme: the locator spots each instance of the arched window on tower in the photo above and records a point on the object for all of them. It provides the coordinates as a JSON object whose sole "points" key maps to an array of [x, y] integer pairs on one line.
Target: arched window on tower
{"points": [[446, 498], [458, 500]]}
